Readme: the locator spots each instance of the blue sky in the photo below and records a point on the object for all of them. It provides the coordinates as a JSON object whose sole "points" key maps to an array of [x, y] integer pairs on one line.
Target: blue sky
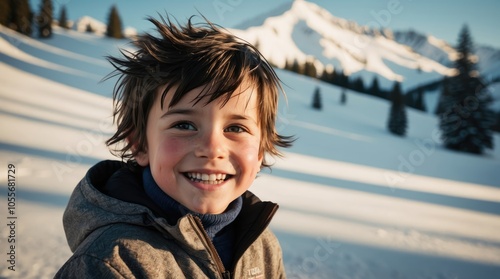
{"points": [[441, 18]]}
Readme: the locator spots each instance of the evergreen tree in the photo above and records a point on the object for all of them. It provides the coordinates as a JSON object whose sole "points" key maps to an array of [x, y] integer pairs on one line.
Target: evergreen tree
{"points": [[297, 67], [21, 18], [89, 28], [418, 101], [374, 89], [397, 123], [445, 94], [114, 29], [328, 76], [287, 66], [343, 97], [357, 85], [466, 119], [324, 76], [5, 12], [44, 19], [310, 69], [342, 79], [63, 18], [316, 103], [496, 126]]}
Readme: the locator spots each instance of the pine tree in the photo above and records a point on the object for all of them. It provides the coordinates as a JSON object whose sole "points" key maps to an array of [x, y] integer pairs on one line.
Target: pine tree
{"points": [[343, 97], [44, 19], [357, 85], [287, 66], [419, 100], [342, 79], [317, 104], [328, 75], [297, 67], [310, 69], [21, 18], [445, 94], [114, 29], [496, 126], [466, 119], [63, 18], [397, 123], [89, 28], [374, 89]]}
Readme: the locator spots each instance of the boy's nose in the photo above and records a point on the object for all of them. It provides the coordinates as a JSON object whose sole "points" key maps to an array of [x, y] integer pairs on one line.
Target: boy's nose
{"points": [[211, 145]]}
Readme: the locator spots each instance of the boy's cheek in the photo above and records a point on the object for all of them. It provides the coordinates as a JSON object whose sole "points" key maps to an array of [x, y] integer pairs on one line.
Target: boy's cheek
{"points": [[172, 146], [251, 155]]}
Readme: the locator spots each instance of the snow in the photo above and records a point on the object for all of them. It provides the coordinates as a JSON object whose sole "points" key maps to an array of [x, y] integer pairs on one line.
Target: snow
{"points": [[355, 201]]}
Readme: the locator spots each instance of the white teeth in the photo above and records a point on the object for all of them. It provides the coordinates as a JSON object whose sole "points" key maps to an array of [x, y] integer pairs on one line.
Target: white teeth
{"points": [[207, 178]]}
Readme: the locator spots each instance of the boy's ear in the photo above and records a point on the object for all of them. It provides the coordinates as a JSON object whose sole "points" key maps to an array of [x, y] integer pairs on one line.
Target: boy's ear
{"points": [[261, 158], [142, 158]]}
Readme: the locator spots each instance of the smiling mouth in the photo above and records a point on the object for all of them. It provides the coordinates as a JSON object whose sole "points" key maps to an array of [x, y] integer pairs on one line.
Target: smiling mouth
{"points": [[207, 178]]}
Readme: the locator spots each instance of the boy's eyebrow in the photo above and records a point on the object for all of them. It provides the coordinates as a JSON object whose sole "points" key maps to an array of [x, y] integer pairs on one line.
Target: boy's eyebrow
{"points": [[193, 111], [242, 117], [178, 111]]}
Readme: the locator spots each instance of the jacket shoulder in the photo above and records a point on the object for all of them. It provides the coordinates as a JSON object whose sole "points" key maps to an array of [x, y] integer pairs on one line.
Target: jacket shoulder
{"points": [[118, 251], [130, 251], [263, 259]]}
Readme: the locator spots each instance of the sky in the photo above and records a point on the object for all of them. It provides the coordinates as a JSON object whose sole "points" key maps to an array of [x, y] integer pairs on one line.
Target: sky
{"points": [[442, 19]]}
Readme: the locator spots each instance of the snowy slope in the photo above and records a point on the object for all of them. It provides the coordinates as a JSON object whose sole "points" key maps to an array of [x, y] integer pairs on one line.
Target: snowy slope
{"points": [[355, 201]]}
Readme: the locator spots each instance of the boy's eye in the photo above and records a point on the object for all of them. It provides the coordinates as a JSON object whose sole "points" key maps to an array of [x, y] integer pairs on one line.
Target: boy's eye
{"points": [[235, 129], [184, 126]]}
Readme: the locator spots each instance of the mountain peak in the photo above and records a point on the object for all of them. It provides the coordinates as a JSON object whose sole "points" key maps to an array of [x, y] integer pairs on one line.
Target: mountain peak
{"points": [[301, 31]]}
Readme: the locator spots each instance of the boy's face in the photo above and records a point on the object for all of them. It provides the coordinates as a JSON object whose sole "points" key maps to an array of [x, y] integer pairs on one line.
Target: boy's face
{"points": [[204, 156]]}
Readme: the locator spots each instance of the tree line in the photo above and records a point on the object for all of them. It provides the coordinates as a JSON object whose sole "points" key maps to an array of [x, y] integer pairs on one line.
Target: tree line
{"points": [[19, 16], [357, 84]]}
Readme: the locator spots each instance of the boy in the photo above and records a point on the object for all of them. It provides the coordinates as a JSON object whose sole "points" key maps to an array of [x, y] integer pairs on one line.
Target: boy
{"points": [[195, 109]]}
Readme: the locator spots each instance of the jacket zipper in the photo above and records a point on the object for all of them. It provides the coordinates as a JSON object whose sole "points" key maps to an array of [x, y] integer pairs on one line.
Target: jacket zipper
{"points": [[211, 249], [247, 241]]}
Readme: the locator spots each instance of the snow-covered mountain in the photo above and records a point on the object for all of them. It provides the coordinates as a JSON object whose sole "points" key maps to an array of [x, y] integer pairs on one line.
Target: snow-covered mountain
{"points": [[302, 30], [441, 52]]}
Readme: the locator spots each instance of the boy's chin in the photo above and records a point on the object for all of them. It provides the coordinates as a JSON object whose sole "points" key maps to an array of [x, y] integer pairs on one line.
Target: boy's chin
{"points": [[209, 208]]}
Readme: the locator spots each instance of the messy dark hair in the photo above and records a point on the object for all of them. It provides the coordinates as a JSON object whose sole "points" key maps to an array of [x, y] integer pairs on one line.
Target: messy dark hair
{"points": [[185, 58]]}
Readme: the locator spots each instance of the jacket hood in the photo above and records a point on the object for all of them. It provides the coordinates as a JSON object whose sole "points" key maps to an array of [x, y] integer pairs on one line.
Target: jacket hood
{"points": [[90, 207]]}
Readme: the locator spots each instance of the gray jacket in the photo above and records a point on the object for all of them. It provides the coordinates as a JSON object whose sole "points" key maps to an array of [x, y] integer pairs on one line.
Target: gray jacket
{"points": [[118, 232]]}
